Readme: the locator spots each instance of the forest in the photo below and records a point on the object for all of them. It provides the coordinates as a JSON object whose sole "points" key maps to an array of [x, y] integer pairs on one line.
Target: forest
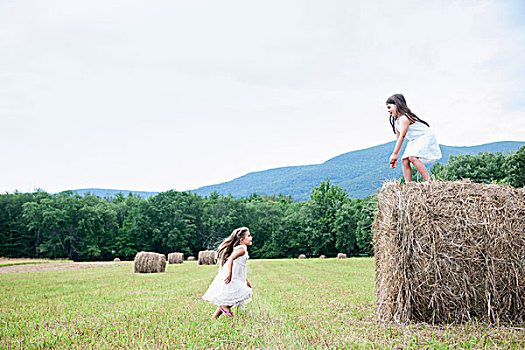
{"points": [[80, 228]]}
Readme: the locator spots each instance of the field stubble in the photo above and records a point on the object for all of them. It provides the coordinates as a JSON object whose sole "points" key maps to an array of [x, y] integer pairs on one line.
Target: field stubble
{"points": [[297, 304]]}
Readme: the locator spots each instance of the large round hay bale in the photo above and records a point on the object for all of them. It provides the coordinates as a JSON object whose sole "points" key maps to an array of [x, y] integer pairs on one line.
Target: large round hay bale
{"points": [[191, 258], [175, 258], [207, 257], [302, 256], [322, 257], [116, 259], [450, 252], [341, 256], [148, 262]]}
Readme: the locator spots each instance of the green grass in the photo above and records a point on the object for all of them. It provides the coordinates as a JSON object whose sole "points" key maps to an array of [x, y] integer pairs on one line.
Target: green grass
{"points": [[297, 304]]}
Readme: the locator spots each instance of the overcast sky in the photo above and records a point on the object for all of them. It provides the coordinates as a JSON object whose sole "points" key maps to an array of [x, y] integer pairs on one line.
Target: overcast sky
{"points": [[163, 95]]}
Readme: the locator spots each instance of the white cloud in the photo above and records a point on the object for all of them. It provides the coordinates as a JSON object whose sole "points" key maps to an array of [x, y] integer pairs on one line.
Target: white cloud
{"points": [[152, 96]]}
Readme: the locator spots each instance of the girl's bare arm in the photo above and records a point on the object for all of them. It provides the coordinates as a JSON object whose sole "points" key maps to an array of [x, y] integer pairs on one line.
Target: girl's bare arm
{"points": [[404, 124], [236, 253]]}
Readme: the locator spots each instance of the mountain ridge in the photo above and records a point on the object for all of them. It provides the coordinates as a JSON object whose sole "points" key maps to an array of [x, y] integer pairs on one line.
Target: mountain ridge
{"points": [[360, 172]]}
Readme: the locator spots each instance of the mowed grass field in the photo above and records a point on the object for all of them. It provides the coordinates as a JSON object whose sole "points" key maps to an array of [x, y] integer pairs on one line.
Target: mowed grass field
{"points": [[297, 304]]}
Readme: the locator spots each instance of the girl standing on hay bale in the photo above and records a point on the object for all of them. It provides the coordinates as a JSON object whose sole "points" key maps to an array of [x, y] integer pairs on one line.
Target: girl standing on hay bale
{"points": [[230, 287], [422, 147]]}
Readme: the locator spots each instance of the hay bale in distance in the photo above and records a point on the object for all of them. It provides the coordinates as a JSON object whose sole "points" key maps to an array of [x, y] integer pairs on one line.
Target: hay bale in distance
{"points": [[302, 256], [322, 257], [191, 258], [450, 252], [341, 256], [116, 259], [175, 258], [208, 257], [149, 262]]}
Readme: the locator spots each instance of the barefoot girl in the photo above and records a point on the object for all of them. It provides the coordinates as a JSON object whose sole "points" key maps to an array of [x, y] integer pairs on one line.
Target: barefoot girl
{"points": [[422, 147], [230, 287]]}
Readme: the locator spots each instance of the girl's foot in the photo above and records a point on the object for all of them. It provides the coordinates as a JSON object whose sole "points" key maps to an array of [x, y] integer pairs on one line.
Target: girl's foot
{"points": [[226, 310]]}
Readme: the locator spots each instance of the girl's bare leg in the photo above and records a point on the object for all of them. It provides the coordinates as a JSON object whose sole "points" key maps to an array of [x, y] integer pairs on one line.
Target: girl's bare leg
{"points": [[407, 170], [217, 313], [420, 167]]}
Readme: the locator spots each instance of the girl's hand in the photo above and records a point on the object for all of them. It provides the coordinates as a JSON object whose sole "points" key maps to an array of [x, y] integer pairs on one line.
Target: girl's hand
{"points": [[393, 160], [228, 279]]}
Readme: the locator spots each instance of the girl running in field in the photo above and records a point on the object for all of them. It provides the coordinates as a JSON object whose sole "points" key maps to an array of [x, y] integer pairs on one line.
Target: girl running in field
{"points": [[230, 287], [422, 147]]}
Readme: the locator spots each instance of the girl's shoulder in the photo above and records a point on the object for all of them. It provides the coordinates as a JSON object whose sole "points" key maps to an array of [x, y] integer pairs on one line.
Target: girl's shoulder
{"points": [[402, 118], [241, 247]]}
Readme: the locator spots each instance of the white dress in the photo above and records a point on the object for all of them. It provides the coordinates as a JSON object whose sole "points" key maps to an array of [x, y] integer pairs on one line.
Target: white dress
{"points": [[237, 291], [421, 143]]}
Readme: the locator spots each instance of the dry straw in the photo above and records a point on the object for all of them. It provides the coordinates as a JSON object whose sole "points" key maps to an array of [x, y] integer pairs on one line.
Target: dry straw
{"points": [[175, 258], [148, 262], [191, 258], [450, 252], [207, 257]]}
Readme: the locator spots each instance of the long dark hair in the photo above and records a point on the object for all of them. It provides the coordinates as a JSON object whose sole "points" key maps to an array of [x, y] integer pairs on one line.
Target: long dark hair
{"points": [[226, 248], [402, 109]]}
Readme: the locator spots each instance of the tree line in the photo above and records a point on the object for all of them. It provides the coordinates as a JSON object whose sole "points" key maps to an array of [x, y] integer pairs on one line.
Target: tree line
{"points": [[67, 225], [485, 167], [71, 226]]}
